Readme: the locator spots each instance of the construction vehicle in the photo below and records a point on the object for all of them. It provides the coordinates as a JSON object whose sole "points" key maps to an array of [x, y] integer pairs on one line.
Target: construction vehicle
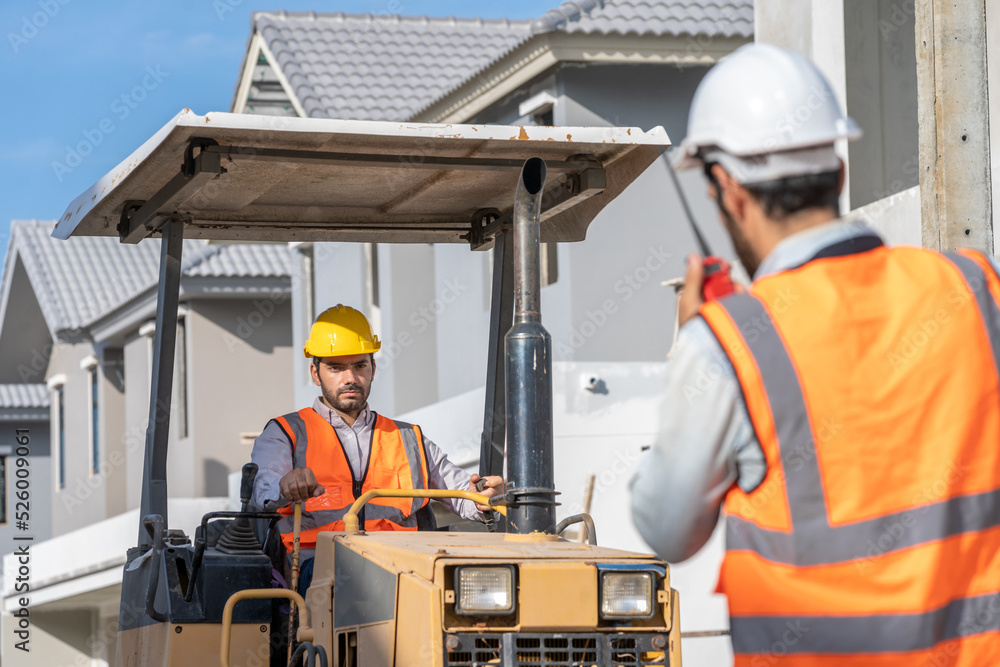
{"points": [[524, 596]]}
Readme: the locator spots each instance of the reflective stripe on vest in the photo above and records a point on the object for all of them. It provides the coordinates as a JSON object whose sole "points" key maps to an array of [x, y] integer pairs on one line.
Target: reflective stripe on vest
{"points": [[807, 577], [396, 460]]}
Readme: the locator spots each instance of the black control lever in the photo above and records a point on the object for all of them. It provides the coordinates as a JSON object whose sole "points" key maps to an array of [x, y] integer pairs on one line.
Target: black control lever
{"points": [[239, 535], [491, 516], [246, 485]]}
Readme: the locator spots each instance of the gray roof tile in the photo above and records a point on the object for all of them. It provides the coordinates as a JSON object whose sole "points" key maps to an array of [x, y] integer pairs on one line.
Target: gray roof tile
{"points": [[24, 396], [82, 279], [713, 18], [367, 67]]}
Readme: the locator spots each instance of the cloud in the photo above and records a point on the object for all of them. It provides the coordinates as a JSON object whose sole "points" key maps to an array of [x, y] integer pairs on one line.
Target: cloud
{"points": [[41, 148]]}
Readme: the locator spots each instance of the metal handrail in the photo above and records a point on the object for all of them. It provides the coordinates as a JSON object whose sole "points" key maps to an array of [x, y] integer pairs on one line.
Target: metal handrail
{"points": [[305, 633], [351, 518]]}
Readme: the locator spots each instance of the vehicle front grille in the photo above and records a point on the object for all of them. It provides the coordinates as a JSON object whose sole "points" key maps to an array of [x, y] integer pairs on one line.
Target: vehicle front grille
{"points": [[513, 649]]}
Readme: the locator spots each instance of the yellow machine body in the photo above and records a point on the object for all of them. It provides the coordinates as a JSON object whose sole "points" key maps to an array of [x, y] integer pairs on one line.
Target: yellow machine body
{"points": [[388, 599], [193, 645]]}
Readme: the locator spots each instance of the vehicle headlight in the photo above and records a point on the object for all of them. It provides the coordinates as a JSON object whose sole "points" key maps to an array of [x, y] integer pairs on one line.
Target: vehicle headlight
{"points": [[626, 595], [484, 590]]}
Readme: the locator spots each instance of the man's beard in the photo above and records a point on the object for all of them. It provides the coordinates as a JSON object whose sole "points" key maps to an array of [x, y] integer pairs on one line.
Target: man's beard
{"points": [[748, 258], [347, 405]]}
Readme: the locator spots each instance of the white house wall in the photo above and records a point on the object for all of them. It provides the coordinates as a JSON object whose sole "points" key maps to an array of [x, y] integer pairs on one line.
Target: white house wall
{"points": [[460, 312], [608, 303], [40, 480], [114, 443], [83, 498], [881, 86], [137, 380], [240, 376], [25, 337], [407, 368]]}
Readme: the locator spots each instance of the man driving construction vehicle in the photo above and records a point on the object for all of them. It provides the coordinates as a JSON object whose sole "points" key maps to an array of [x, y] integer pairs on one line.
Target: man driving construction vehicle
{"points": [[842, 411], [329, 454]]}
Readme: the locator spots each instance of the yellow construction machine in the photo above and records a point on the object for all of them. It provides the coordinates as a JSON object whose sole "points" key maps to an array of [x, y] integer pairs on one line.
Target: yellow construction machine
{"points": [[520, 597]]}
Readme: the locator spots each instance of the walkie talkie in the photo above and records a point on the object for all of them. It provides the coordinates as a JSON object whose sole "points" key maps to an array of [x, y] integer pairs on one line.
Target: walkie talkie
{"points": [[718, 282]]}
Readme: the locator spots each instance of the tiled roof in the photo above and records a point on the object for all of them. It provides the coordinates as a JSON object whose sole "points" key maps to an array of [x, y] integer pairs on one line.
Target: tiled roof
{"points": [[24, 396], [82, 279], [366, 67], [712, 18]]}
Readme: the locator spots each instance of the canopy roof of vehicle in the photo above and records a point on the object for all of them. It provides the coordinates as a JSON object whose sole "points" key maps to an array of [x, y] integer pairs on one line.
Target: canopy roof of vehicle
{"points": [[264, 178]]}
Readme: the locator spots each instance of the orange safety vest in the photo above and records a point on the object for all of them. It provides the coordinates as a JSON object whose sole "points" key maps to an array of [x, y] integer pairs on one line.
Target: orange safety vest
{"points": [[872, 379], [396, 460]]}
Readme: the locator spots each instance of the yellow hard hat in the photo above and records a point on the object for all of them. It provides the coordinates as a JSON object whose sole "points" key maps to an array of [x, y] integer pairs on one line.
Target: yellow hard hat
{"points": [[339, 332]]}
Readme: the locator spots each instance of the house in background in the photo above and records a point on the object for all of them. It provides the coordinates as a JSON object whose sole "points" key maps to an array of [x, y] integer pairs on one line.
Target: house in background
{"points": [[585, 63], [24, 416], [76, 324], [616, 62], [610, 62], [593, 63]]}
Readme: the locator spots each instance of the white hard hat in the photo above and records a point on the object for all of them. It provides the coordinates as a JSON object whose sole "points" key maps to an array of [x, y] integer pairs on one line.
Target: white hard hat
{"points": [[765, 113]]}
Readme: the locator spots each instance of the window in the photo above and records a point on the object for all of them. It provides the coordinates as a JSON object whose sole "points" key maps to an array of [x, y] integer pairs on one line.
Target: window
{"points": [[182, 388], [61, 431], [308, 296], [544, 118], [374, 271], [374, 296], [540, 108], [3, 489], [90, 365], [549, 269], [148, 330], [95, 422], [58, 428]]}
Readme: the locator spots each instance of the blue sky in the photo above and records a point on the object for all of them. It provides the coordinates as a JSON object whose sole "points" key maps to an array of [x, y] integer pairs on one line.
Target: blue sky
{"points": [[110, 73]]}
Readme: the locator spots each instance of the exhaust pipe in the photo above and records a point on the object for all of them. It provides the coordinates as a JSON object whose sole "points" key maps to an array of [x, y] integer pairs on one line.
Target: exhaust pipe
{"points": [[528, 358]]}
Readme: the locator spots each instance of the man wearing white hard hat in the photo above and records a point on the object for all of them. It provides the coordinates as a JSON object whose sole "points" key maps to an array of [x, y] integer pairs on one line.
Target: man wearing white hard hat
{"points": [[841, 413]]}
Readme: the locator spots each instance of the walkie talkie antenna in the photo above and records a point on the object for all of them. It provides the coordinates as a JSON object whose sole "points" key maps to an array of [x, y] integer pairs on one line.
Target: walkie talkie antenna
{"points": [[717, 281], [702, 243]]}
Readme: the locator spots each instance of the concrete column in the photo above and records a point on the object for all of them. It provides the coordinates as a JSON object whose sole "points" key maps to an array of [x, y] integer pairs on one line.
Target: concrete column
{"points": [[953, 112], [993, 82]]}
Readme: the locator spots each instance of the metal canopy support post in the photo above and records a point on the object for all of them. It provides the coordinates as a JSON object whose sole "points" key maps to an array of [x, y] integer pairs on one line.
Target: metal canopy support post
{"points": [[140, 219], [491, 453], [154, 470]]}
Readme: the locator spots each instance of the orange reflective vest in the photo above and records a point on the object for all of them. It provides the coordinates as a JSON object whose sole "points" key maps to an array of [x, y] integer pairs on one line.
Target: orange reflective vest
{"points": [[872, 379], [397, 460]]}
